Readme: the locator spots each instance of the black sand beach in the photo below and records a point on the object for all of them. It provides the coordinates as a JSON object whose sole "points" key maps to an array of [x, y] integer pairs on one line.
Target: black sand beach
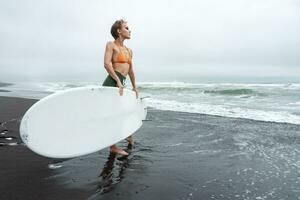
{"points": [[177, 156]]}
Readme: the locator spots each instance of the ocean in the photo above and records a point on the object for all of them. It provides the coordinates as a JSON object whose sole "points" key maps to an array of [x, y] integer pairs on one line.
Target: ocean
{"points": [[275, 102]]}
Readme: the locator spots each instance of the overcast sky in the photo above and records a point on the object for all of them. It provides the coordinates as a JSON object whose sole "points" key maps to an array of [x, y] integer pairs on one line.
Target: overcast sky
{"points": [[62, 40]]}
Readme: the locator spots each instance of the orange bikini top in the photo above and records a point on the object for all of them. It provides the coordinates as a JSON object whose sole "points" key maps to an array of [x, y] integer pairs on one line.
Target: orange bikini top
{"points": [[121, 58]]}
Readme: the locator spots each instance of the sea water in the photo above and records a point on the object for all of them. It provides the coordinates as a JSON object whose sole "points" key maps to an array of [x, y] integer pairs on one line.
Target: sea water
{"points": [[264, 101]]}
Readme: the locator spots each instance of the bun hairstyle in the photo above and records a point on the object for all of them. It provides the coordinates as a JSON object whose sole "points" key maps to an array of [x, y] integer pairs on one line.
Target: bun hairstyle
{"points": [[114, 28]]}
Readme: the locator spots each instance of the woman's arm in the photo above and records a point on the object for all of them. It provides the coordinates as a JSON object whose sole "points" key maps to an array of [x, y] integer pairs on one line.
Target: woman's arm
{"points": [[132, 77], [107, 62], [131, 72]]}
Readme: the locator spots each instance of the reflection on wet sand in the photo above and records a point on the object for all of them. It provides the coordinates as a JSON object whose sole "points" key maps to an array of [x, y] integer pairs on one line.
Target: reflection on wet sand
{"points": [[113, 171]]}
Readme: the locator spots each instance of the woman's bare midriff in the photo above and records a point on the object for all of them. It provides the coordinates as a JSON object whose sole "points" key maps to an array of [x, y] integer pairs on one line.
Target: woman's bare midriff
{"points": [[123, 68]]}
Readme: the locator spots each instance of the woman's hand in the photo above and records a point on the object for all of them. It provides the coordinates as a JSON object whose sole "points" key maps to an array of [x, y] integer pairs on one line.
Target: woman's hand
{"points": [[136, 92], [121, 87]]}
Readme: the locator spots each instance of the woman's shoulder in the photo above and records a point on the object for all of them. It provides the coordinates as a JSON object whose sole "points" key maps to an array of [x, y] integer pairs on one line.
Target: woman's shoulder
{"points": [[110, 43]]}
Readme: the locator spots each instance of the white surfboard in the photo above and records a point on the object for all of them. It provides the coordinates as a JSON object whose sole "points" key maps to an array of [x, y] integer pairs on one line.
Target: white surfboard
{"points": [[80, 121]]}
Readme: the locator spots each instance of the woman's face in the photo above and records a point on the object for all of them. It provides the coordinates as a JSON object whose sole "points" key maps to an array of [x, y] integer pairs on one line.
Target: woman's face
{"points": [[124, 31]]}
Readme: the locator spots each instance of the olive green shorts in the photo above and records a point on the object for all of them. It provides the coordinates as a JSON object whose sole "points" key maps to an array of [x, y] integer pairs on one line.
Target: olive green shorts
{"points": [[109, 81]]}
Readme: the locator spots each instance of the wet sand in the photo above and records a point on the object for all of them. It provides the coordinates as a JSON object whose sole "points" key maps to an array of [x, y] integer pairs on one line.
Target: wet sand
{"points": [[177, 156]]}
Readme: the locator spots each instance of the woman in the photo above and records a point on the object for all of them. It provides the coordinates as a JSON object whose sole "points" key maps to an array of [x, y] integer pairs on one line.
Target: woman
{"points": [[118, 63]]}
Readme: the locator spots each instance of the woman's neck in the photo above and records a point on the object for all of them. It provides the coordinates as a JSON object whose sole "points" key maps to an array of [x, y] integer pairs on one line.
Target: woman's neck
{"points": [[119, 41]]}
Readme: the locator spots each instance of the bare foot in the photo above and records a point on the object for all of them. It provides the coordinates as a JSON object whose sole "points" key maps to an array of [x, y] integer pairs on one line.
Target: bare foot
{"points": [[117, 150], [130, 140]]}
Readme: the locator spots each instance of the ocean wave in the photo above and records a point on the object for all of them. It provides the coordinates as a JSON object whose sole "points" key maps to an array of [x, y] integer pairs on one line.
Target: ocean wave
{"points": [[58, 86], [2, 84], [235, 90], [223, 99], [226, 111], [176, 84], [4, 90], [297, 103], [231, 91]]}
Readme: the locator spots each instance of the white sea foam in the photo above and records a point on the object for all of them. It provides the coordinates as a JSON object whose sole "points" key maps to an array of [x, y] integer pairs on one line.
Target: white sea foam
{"points": [[58, 86], [226, 111], [177, 84], [295, 103]]}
